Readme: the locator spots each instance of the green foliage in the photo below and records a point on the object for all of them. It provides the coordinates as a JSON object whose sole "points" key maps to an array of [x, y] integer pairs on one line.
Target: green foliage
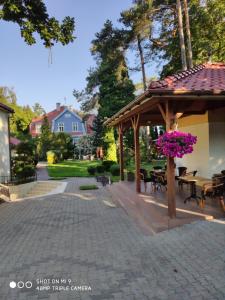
{"points": [[207, 31], [44, 140], [107, 164], [20, 120], [100, 169], [32, 17], [62, 143], [115, 170], [108, 85], [92, 170], [38, 109], [52, 157], [88, 187], [23, 164], [110, 145], [138, 21]]}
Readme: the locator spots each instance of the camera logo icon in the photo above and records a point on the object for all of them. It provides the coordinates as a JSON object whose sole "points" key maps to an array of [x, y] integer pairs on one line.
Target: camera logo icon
{"points": [[20, 284]]}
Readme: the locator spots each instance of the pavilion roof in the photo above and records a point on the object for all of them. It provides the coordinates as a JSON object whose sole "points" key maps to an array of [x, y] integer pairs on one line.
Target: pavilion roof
{"points": [[200, 83], [209, 78]]}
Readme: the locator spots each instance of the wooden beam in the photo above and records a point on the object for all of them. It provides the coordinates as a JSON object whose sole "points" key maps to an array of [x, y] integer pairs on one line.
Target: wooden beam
{"points": [[120, 129], [170, 167], [135, 124], [162, 111], [145, 106]]}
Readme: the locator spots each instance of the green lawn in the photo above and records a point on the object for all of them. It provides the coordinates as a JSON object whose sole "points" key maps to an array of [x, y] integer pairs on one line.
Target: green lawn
{"points": [[78, 168], [74, 168]]}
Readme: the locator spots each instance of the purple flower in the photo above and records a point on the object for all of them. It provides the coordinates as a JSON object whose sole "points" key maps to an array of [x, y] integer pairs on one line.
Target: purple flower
{"points": [[176, 143]]}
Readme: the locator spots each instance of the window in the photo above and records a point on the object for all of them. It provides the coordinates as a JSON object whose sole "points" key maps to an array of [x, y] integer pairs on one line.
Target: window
{"points": [[60, 127], [38, 128], [67, 115], [74, 126]]}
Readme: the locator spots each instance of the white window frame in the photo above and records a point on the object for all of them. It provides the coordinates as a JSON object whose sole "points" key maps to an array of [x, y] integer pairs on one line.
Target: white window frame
{"points": [[75, 127], [38, 128], [60, 127]]}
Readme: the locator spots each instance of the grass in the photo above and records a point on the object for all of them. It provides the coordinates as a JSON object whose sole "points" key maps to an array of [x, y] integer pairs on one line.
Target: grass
{"points": [[73, 168], [88, 187], [78, 168]]}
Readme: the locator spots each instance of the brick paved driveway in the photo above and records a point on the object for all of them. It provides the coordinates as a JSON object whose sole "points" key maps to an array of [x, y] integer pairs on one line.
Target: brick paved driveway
{"points": [[76, 236]]}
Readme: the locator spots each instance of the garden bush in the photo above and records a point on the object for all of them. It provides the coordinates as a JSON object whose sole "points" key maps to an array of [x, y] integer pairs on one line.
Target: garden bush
{"points": [[100, 169], [91, 170], [25, 171], [115, 170], [107, 164], [52, 157], [88, 187]]}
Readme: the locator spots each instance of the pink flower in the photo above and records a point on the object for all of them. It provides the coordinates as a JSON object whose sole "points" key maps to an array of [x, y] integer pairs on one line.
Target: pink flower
{"points": [[176, 143]]}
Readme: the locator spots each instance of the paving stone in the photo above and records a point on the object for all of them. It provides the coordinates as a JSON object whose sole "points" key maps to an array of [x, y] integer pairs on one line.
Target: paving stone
{"points": [[76, 236]]}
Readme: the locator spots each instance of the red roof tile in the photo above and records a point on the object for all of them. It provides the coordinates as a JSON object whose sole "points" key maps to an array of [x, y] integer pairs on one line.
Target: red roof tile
{"points": [[51, 115], [209, 77]]}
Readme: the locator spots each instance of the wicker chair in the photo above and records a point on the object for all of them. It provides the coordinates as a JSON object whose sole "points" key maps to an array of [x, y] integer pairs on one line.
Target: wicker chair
{"points": [[215, 190]]}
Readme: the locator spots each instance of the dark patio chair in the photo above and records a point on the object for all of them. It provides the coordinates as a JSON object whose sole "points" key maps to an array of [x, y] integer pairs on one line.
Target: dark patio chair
{"points": [[161, 181], [145, 178], [214, 190]]}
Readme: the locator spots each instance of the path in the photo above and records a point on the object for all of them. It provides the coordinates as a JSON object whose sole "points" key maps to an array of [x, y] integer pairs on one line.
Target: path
{"points": [[76, 236], [42, 173]]}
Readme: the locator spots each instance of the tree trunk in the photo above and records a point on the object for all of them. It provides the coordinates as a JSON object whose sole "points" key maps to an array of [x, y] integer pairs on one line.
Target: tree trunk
{"points": [[190, 62], [181, 36], [142, 62]]}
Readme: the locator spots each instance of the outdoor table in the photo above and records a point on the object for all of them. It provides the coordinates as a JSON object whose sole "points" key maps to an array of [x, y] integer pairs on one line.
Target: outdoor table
{"points": [[194, 181]]}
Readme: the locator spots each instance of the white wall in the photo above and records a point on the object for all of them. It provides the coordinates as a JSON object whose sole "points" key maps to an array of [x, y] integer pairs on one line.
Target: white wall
{"points": [[208, 156], [4, 145], [217, 141], [199, 158]]}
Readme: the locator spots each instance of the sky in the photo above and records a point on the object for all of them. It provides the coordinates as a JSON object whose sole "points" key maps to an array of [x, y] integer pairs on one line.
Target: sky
{"points": [[27, 70]]}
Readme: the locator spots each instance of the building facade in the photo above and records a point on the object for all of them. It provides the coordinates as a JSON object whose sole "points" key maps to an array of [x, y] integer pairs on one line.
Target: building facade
{"points": [[64, 119], [209, 152], [5, 169]]}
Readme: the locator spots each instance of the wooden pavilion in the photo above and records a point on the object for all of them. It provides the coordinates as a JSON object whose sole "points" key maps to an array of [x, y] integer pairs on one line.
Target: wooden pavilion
{"points": [[191, 92]]}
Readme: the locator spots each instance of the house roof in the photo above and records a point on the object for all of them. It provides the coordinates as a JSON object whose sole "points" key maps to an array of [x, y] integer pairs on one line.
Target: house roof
{"points": [[207, 78], [202, 88], [6, 108], [51, 115]]}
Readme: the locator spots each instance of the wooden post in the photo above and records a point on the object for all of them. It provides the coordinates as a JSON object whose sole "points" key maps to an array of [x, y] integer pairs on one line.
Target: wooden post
{"points": [[135, 124], [121, 152], [170, 167]]}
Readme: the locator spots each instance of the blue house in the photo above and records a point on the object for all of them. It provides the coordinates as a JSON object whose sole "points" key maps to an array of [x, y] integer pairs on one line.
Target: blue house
{"points": [[61, 119]]}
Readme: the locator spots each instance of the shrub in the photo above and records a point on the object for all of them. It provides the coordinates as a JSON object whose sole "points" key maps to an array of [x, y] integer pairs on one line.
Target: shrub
{"points": [[52, 157], [91, 170], [107, 164], [100, 169], [115, 170], [25, 172], [110, 145], [88, 187], [130, 176]]}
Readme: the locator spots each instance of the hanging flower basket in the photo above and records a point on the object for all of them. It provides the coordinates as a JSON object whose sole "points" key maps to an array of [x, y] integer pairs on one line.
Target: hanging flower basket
{"points": [[176, 143]]}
